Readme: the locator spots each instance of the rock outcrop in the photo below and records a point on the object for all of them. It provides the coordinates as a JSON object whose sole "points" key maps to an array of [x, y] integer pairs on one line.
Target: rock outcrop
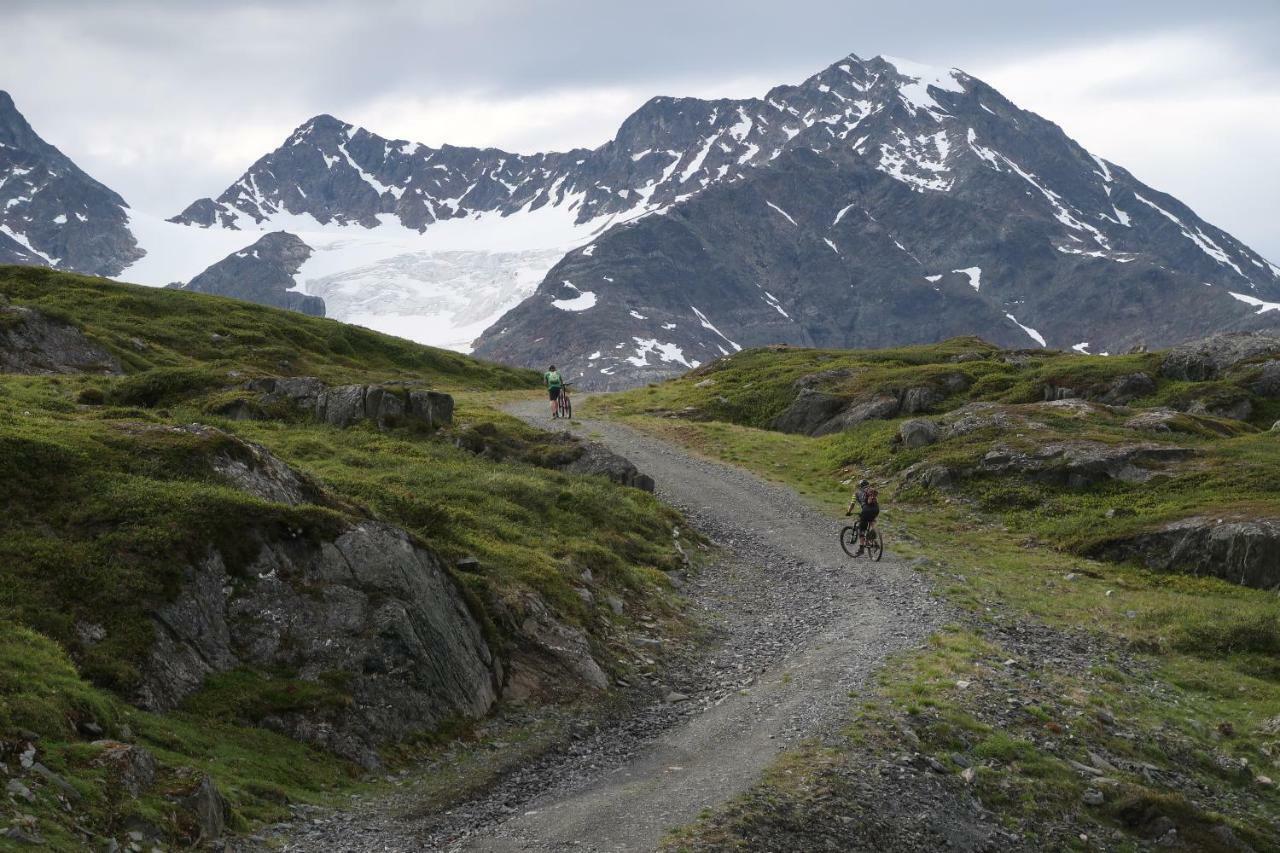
{"points": [[598, 460], [344, 405], [1080, 464], [817, 413], [1211, 357], [370, 604], [367, 602], [1246, 552], [33, 342]]}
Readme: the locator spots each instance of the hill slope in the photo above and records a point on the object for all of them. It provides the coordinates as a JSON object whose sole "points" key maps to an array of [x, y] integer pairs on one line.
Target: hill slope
{"points": [[248, 553]]}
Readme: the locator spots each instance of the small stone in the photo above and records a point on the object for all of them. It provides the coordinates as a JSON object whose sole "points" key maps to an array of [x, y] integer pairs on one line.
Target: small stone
{"points": [[962, 684], [1070, 576], [1109, 593], [968, 774], [19, 791], [1265, 781], [614, 603], [1092, 797], [675, 696], [936, 766], [27, 757]]}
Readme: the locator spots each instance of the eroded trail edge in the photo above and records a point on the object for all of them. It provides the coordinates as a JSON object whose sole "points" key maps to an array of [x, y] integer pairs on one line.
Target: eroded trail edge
{"points": [[800, 629]]}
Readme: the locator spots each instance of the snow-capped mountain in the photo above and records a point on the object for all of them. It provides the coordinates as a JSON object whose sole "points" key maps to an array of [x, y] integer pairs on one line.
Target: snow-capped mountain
{"points": [[901, 204], [51, 212], [877, 202]]}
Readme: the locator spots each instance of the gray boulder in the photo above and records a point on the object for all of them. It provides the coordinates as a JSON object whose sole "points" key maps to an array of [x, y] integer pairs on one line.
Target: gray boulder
{"points": [[1237, 410], [552, 660], [1267, 382], [1125, 389], [33, 342], [923, 399], [599, 460], [207, 809], [876, 408], [1246, 552], [808, 412], [132, 768], [1211, 357], [917, 433]]}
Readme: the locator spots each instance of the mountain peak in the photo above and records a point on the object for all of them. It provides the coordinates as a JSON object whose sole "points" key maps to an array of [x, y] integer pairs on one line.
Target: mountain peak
{"points": [[6, 102]]}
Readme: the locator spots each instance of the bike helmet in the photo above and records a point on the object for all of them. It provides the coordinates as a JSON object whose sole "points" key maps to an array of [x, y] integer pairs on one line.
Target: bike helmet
{"points": [[864, 484]]}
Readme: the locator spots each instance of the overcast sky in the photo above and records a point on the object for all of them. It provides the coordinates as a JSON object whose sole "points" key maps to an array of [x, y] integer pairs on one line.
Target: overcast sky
{"points": [[169, 101]]}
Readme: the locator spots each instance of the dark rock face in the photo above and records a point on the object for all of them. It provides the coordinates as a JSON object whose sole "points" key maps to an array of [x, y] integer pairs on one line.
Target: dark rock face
{"points": [[262, 273], [51, 212], [1244, 552], [370, 602], [32, 342], [1211, 357]]}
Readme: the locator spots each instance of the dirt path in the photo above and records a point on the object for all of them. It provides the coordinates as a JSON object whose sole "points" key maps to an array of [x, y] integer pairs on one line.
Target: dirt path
{"points": [[801, 629], [873, 609]]}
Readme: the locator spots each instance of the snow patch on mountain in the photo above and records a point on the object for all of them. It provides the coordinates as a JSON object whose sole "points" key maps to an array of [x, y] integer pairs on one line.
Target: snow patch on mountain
{"points": [[1263, 307], [1032, 333], [1195, 235], [974, 274]]}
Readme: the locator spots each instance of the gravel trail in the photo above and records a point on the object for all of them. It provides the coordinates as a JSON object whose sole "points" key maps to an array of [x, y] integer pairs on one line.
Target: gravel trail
{"points": [[799, 628]]}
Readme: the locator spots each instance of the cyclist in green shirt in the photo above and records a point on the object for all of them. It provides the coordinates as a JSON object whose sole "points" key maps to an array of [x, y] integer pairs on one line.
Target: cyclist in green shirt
{"points": [[554, 384]]}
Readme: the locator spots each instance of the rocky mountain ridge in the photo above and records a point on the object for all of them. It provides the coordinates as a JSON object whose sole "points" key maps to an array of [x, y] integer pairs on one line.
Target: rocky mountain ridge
{"points": [[51, 212]]}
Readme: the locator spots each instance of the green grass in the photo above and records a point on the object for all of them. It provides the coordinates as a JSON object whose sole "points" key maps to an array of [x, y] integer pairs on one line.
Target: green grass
{"points": [[42, 694], [108, 496], [1205, 650], [149, 328]]}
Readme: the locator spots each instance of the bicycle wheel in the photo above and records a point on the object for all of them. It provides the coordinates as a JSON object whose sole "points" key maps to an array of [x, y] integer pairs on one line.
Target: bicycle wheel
{"points": [[849, 541], [875, 547], [566, 406]]}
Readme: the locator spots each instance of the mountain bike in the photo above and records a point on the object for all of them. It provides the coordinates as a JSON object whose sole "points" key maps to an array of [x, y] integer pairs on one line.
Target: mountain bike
{"points": [[564, 406], [874, 549]]}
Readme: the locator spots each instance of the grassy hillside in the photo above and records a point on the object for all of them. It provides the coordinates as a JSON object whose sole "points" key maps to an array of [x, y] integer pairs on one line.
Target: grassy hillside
{"points": [[1234, 472], [106, 501], [149, 328], [1163, 687]]}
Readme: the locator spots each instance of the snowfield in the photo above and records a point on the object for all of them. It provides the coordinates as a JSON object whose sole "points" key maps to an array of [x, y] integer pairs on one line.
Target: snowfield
{"points": [[441, 287]]}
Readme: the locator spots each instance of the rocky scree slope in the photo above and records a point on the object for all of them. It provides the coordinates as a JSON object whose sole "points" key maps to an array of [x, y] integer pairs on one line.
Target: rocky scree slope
{"points": [[51, 212], [352, 566], [1162, 458]]}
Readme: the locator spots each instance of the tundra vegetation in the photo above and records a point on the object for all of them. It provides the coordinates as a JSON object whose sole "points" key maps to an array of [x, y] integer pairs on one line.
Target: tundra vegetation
{"points": [[154, 440], [1106, 531]]}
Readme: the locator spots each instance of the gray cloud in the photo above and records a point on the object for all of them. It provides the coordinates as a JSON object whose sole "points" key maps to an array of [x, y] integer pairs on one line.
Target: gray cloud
{"points": [[169, 100]]}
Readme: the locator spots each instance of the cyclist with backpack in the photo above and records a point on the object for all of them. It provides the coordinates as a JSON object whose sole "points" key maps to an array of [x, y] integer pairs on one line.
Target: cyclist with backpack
{"points": [[867, 498], [554, 384]]}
